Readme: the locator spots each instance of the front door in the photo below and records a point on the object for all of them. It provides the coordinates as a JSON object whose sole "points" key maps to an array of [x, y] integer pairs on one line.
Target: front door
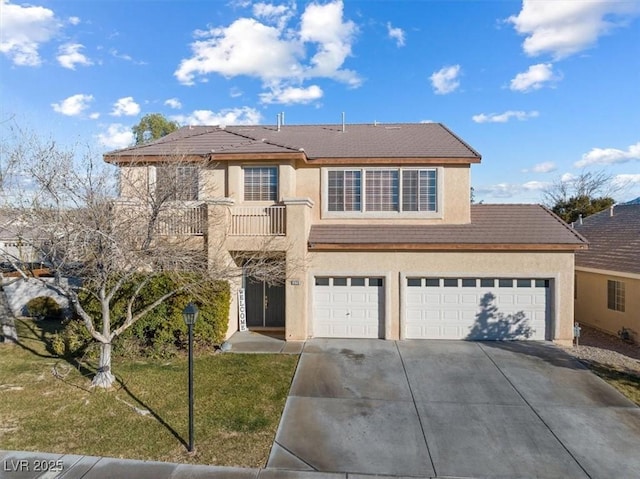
{"points": [[265, 304]]}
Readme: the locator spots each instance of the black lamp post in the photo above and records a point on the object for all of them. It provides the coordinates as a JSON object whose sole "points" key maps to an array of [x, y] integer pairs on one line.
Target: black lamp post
{"points": [[190, 314]]}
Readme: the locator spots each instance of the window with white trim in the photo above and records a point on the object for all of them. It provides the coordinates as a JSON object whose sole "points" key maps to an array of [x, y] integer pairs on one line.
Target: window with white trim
{"points": [[382, 190], [615, 295], [261, 183]]}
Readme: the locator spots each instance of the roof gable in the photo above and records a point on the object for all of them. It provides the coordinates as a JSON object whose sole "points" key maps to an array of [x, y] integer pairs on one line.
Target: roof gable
{"points": [[614, 240]]}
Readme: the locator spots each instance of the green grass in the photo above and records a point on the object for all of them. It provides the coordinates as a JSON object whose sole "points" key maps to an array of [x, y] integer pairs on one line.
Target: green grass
{"points": [[238, 403]]}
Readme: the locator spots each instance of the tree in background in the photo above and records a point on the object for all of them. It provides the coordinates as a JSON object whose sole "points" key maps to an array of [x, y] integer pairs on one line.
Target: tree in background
{"points": [[583, 195], [152, 127]]}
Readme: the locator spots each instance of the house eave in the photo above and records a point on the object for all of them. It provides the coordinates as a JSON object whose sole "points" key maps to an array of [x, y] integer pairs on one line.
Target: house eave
{"points": [[444, 247], [608, 272]]}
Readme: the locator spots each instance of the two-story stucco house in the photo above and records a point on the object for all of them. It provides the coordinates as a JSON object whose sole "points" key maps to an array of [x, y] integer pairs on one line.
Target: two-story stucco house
{"points": [[381, 220]]}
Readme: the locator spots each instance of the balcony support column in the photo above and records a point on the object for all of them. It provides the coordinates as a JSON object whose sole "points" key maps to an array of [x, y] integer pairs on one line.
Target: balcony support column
{"points": [[298, 220]]}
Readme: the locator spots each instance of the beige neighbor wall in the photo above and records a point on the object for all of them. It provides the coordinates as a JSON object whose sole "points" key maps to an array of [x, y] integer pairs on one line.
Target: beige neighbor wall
{"points": [[591, 302], [558, 267]]}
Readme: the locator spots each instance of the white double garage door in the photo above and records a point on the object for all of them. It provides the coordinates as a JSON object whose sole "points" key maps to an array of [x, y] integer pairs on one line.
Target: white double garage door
{"points": [[434, 308]]}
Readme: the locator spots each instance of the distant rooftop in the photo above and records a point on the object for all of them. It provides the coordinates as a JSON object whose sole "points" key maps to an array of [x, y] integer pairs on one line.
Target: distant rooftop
{"points": [[614, 239], [398, 140]]}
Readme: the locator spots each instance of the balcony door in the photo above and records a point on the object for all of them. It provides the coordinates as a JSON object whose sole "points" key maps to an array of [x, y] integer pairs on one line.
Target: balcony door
{"points": [[265, 304]]}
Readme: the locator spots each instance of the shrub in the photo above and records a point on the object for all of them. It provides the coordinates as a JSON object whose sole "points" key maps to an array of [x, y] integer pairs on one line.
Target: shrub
{"points": [[73, 340], [161, 332], [43, 307]]}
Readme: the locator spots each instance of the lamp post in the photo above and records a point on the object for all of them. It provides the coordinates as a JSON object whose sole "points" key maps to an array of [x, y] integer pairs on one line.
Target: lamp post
{"points": [[190, 314]]}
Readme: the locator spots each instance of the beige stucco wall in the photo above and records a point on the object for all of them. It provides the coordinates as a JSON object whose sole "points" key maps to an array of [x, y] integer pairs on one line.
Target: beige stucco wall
{"points": [[591, 303], [133, 180], [557, 267]]}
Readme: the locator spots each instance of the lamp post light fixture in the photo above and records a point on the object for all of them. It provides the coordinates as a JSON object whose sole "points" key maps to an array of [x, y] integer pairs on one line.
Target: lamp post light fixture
{"points": [[190, 314]]}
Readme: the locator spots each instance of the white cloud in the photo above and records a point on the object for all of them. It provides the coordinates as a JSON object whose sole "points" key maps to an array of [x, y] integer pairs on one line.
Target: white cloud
{"points": [[274, 14], [626, 180], [446, 80], [608, 156], [544, 167], [275, 54], [534, 78], [116, 136], [24, 29], [125, 107], [504, 117], [94, 115], [69, 56], [173, 103], [74, 20], [235, 92], [509, 190], [565, 27], [323, 25], [396, 34], [291, 95], [232, 116], [75, 105], [567, 177]]}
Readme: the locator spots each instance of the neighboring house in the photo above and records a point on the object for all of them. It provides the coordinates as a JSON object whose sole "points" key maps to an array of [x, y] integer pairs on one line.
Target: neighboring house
{"points": [[380, 218], [608, 274], [17, 240]]}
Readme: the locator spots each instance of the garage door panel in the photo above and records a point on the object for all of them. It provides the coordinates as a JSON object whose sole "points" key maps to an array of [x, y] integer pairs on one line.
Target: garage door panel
{"points": [[517, 310], [349, 309]]}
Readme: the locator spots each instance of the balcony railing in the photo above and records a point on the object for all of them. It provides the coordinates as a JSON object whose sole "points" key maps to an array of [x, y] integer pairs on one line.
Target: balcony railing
{"points": [[258, 221], [183, 221]]}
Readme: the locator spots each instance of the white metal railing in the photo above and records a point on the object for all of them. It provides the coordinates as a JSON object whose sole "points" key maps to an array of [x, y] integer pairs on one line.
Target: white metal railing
{"points": [[183, 221], [258, 221]]}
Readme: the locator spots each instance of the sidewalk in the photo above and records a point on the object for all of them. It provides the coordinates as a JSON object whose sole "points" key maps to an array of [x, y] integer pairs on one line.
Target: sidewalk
{"points": [[36, 465]]}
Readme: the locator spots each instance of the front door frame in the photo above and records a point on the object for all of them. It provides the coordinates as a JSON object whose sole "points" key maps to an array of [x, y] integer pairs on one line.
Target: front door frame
{"points": [[265, 304]]}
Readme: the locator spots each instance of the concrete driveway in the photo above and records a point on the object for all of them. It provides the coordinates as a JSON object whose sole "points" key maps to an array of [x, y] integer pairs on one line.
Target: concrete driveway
{"points": [[454, 409]]}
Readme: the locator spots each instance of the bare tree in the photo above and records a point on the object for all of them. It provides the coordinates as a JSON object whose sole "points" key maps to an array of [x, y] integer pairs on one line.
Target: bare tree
{"points": [[582, 195], [153, 227]]}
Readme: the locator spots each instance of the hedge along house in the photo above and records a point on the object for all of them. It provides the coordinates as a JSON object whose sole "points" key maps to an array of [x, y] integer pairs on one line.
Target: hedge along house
{"points": [[379, 218]]}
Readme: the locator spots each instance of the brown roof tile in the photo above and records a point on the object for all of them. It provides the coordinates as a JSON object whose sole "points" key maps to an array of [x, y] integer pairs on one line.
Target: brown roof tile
{"points": [[405, 140], [614, 241], [515, 225]]}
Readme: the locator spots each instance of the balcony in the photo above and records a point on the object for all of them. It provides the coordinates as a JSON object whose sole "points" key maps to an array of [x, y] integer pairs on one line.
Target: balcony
{"points": [[258, 221], [183, 220]]}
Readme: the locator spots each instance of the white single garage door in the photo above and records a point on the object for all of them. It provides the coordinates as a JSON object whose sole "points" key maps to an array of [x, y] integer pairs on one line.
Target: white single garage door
{"points": [[477, 308], [348, 307]]}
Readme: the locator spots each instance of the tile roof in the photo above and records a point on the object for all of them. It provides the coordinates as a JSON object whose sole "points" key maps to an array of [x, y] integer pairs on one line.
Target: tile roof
{"points": [[614, 241], [400, 140], [512, 225]]}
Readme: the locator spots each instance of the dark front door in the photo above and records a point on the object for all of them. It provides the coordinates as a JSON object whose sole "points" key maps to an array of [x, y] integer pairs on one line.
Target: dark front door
{"points": [[265, 304]]}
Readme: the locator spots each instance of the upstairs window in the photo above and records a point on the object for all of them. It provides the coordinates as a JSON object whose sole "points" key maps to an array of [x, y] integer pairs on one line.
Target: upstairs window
{"points": [[382, 190], [615, 295], [177, 183], [261, 184]]}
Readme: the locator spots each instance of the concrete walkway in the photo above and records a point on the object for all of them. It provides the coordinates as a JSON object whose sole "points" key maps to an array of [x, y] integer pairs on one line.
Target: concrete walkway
{"points": [[262, 342], [454, 409], [32, 465]]}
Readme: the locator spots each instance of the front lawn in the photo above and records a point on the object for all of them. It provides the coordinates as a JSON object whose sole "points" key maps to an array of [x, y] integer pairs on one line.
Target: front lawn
{"points": [[46, 405]]}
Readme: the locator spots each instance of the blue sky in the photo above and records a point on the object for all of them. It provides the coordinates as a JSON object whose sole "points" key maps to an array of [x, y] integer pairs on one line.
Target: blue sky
{"points": [[544, 90]]}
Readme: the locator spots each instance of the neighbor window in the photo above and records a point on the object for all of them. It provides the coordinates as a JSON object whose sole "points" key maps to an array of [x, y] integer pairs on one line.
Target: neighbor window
{"points": [[177, 183], [615, 295], [261, 184], [382, 189]]}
